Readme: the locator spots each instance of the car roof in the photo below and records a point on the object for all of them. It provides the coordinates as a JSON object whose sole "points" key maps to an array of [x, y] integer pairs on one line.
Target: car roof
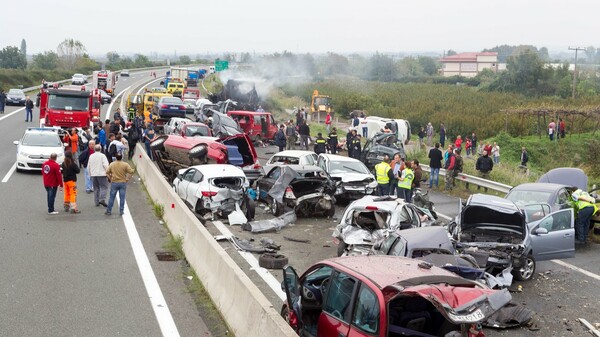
{"points": [[386, 270], [384, 203], [293, 153], [541, 187], [335, 157], [218, 170]]}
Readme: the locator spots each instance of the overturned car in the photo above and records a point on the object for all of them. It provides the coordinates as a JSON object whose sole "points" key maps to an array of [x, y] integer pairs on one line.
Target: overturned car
{"points": [[497, 232], [306, 189], [380, 145]]}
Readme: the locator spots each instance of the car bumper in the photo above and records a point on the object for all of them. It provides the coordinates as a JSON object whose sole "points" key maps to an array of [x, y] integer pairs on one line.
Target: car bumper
{"points": [[354, 192], [28, 164], [171, 113], [222, 208], [15, 101]]}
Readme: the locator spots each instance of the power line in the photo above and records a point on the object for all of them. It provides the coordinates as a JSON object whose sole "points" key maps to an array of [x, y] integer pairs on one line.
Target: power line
{"points": [[576, 49]]}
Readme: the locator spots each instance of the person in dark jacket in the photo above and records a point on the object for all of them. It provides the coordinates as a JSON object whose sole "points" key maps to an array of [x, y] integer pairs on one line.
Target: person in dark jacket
{"points": [[332, 141], [442, 134], [524, 156], [435, 163], [28, 109], [484, 165], [84, 157], [304, 132], [355, 146], [349, 136], [292, 135], [52, 180], [2, 101], [320, 144], [280, 138], [70, 169]]}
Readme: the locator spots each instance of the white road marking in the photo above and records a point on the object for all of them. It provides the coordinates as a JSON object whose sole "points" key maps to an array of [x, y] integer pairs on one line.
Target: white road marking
{"points": [[9, 173], [159, 305], [12, 113], [575, 268], [113, 102], [262, 272]]}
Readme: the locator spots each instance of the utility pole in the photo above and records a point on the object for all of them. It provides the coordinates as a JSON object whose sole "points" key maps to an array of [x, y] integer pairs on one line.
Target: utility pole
{"points": [[576, 49]]}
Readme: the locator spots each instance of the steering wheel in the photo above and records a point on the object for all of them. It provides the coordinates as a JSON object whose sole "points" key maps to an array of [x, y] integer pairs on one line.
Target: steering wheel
{"points": [[324, 285]]}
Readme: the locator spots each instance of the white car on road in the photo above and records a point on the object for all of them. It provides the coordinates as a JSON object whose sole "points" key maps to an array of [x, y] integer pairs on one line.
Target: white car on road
{"points": [[36, 146], [79, 79], [214, 188], [291, 157], [353, 179]]}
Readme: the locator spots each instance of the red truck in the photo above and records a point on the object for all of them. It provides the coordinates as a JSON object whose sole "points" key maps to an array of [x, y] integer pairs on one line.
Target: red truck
{"points": [[69, 106]]}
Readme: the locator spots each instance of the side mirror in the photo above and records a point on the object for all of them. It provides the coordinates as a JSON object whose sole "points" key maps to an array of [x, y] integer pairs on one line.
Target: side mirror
{"points": [[541, 231], [16, 142], [179, 176]]}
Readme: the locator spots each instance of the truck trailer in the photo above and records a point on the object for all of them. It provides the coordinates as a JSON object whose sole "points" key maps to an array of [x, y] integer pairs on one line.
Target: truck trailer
{"points": [[104, 80]]}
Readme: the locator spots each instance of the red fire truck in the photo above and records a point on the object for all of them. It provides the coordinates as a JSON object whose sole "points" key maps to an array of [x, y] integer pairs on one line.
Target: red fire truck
{"points": [[69, 106], [104, 80]]}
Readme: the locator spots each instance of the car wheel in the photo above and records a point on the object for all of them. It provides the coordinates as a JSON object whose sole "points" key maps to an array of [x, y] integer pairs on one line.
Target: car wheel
{"points": [[272, 261], [341, 248], [276, 208], [250, 208], [525, 273], [331, 211], [158, 144], [198, 151]]}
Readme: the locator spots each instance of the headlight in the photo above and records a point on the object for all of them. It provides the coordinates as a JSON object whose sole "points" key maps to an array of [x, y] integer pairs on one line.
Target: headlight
{"points": [[23, 153]]}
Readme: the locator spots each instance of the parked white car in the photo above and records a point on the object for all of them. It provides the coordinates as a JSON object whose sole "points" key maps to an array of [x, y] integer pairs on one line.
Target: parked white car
{"points": [[173, 126], [353, 179], [291, 157], [36, 146], [214, 188]]}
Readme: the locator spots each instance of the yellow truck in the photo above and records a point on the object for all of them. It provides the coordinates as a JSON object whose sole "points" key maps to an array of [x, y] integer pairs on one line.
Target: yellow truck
{"points": [[144, 102], [175, 89], [321, 105]]}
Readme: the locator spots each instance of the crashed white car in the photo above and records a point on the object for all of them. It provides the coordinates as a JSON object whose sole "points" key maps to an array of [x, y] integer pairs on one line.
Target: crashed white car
{"points": [[214, 189], [353, 179]]}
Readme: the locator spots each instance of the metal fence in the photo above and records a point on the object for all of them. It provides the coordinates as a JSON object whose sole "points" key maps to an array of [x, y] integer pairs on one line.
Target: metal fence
{"points": [[477, 181]]}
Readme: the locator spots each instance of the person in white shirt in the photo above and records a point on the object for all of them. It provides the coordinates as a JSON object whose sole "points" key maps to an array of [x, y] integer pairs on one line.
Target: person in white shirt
{"points": [[496, 153], [97, 165]]}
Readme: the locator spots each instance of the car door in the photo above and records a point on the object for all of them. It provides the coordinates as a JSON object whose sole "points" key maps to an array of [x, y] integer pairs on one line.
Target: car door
{"points": [[193, 187], [366, 316], [553, 237], [291, 286], [265, 183], [335, 318], [182, 186]]}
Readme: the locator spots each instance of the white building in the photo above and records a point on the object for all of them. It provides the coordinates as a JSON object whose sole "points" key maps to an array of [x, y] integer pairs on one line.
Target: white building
{"points": [[469, 64]]}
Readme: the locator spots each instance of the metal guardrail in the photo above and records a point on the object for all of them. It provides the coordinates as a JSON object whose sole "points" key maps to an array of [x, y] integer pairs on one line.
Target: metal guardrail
{"points": [[477, 181]]}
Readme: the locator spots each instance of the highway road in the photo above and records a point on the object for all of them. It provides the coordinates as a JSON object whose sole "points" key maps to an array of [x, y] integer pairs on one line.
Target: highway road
{"points": [[85, 274]]}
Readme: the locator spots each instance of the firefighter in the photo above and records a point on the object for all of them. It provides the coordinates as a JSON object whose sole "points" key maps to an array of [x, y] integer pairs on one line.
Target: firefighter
{"points": [[354, 149], [332, 141], [586, 207], [404, 189], [320, 144], [384, 174]]}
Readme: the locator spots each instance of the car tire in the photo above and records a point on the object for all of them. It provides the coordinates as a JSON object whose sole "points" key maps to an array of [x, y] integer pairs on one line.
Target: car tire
{"points": [[341, 248], [198, 151], [272, 261], [331, 211], [276, 208], [527, 271], [158, 144]]}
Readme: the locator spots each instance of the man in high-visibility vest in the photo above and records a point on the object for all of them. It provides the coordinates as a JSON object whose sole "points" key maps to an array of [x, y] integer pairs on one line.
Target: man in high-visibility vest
{"points": [[404, 189], [586, 207], [384, 174]]}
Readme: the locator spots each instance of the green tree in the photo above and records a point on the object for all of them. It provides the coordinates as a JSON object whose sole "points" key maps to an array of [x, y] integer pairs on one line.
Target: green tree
{"points": [[85, 64], [113, 60], [523, 75], [12, 58], [47, 60], [450, 52], [184, 59], [141, 61], [429, 65], [23, 47], [409, 67], [381, 68], [69, 51]]}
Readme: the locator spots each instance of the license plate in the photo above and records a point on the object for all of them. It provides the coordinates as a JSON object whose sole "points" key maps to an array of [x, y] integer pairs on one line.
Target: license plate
{"points": [[475, 316], [174, 107]]}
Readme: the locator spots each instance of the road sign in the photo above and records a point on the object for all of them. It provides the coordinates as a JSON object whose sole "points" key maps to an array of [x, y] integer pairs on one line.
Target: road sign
{"points": [[221, 65]]}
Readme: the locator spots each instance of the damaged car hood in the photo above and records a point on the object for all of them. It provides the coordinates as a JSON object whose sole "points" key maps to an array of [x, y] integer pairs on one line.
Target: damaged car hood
{"points": [[300, 185], [486, 218], [349, 177]]}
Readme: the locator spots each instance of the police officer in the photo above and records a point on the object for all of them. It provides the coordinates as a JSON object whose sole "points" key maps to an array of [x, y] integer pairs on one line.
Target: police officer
{"points": [[384, 174], [354, 148], [586, 206], [332, 141], [320, 144], [405, 183]]}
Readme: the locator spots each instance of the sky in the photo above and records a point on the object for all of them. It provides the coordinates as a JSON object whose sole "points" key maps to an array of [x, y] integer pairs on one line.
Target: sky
{"points": [[315, 26]]}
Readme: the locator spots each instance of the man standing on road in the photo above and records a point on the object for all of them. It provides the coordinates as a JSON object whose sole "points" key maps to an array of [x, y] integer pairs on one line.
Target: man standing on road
{"points": [[304, 132], [52, 180], [435, 163], [354, 149], [84, 158], [384, 174], [405, 181], [97, 166], [586, 206], [320, 144], [119, 172], [2, 101], [28, 109], [332, 141], [291, 135], [280, 140], [484, 166]]}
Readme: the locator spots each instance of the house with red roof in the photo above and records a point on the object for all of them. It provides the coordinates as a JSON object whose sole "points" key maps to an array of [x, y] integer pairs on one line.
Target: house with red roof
{"points": [[468, 64]]}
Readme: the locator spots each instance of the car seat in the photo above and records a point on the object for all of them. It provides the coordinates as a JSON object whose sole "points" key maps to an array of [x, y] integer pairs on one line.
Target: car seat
{"points": [[234, 156], [414, 315]]}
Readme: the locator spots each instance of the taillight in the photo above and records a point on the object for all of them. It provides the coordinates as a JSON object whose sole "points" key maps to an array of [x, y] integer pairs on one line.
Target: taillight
{"points": [[209, 193], [182, 107], [164, 106], [256, 165], [372, 208]]}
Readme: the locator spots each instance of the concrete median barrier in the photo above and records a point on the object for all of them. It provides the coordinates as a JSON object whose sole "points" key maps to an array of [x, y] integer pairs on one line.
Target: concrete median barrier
{"points": [[247, 311]]}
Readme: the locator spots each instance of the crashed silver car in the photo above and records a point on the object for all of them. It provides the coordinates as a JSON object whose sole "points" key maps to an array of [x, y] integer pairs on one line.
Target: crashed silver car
{"points": [[371, 218], [215, 189], [353, 179], [506, 237]]}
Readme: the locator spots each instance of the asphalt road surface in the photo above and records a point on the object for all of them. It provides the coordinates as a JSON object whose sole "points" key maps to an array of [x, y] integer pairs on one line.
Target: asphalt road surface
{"points": [[77, 275], [557, 294]]}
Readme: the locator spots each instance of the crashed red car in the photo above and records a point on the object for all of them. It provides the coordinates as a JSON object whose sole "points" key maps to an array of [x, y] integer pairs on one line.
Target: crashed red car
{"points": [[385, 296], [174, 152]]}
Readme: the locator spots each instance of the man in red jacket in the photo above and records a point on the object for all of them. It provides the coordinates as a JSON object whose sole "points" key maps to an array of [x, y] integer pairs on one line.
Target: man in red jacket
{"points": [[52, 180]]}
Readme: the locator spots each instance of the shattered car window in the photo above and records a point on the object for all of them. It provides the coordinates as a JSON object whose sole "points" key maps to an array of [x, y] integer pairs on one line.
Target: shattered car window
{"points": [[370, 219], [528, 197], [366, 312]]}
